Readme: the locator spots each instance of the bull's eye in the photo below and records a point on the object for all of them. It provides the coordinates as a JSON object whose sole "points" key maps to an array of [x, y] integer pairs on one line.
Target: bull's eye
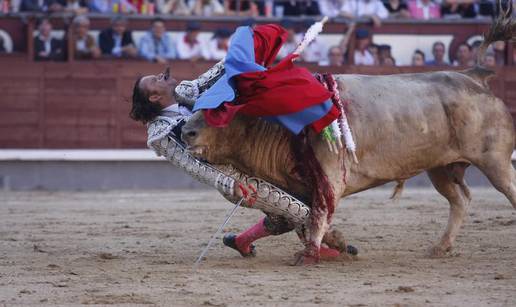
{"points": [[191, 134]]}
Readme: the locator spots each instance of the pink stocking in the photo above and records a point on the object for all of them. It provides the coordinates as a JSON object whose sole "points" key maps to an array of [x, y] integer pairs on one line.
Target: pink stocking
{"points": [[244, 240]]}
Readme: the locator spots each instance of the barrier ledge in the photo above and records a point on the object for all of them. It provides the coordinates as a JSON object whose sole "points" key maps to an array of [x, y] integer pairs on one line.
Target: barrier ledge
{"points": [[88, 155], [78, 155]]}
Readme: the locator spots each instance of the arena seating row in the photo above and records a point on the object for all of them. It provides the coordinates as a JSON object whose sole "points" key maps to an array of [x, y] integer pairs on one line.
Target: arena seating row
{"points": [[18, 28]]}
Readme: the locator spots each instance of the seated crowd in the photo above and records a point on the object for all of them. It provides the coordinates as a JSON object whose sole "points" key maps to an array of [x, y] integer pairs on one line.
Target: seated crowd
{"points": [[374, 9], [158, 45]]}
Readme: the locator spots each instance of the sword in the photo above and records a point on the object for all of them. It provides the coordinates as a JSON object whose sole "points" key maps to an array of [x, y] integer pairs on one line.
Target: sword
{"points": [[205, 250]]}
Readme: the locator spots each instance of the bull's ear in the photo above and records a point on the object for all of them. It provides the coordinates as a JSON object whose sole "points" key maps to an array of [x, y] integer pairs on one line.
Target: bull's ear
{"points": [[154, 98]]}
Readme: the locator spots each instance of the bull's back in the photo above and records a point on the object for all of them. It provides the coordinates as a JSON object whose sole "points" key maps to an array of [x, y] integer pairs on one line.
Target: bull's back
{"points": [[403, 124]]}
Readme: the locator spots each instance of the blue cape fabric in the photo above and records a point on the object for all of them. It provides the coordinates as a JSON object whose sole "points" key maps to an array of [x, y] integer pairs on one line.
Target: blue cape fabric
{"points": [[240, 59], [295, 122]]}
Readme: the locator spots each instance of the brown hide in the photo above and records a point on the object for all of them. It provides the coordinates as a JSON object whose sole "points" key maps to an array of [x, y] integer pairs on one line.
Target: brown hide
{"points": [[439, 122], [402, 125]]}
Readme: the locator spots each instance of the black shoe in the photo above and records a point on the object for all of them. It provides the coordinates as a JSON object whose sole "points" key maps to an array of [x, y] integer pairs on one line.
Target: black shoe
{"points": [[229, 240], [350, 249]]}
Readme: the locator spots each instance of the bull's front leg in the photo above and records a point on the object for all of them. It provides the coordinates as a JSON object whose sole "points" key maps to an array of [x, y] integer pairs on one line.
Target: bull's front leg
{"points": [[318, 226], [326, 181]]}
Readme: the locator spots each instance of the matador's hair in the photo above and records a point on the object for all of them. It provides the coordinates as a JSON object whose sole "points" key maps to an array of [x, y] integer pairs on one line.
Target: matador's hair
{"points": [[143, 109]]}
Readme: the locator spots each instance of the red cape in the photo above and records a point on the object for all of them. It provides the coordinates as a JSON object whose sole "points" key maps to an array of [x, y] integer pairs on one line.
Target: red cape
{"points": [[281, 89]]}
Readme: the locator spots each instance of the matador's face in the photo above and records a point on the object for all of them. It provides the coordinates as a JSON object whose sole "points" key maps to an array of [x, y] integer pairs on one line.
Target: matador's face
{"points": [[161, 85]]}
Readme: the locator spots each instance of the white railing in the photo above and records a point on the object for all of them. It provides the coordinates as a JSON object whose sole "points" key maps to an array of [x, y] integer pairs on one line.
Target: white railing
{"points": [[123, 155]]}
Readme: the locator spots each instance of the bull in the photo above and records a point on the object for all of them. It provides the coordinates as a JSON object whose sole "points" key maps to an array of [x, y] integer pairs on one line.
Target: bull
{"points": [[438, 122]]}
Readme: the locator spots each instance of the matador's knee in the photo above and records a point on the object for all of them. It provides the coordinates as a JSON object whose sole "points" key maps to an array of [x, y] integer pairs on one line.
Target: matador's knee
{"points": [[277, 225]]}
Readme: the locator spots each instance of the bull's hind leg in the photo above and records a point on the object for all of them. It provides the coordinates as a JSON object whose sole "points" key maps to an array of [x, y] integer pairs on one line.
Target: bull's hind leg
{"points": [[449, 182], [501, 174]]}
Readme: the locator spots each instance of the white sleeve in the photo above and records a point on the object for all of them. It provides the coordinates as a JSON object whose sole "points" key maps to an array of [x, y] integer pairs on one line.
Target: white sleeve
{"points": [[327, 9], [218, 8], [347, 7], [381, 11], [207, 50], [182, 50]]}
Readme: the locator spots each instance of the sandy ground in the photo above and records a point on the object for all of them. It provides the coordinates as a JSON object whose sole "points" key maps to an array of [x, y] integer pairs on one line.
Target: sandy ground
{"points": [[137, 248]]}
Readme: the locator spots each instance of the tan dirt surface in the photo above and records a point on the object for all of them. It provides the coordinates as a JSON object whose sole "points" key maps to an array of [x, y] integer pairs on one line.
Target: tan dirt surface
{"points": [[137, 248]]}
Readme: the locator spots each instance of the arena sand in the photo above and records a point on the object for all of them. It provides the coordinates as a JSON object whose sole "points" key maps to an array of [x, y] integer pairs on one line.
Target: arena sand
{"points": [[137, 248]]}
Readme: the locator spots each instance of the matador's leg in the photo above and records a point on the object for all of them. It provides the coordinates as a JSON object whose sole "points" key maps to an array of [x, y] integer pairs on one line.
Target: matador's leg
{"points": [[275, 225], [269, 225]]}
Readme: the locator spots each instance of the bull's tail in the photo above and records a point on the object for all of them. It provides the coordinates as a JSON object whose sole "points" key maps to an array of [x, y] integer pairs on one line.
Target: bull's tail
{"points": [[503, 28]]}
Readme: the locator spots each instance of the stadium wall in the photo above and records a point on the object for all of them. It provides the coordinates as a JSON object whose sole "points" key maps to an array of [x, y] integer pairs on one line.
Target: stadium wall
{"points": [[86, 104]]}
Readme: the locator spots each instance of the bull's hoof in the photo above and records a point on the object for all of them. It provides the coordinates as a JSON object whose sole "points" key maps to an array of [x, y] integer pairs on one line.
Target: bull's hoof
{"points": [[438, 252], [229, 240], [305, 260]]}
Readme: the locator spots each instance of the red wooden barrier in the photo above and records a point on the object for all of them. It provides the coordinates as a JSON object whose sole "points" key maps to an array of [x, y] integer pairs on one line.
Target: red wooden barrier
{"points": [[86, 104]]}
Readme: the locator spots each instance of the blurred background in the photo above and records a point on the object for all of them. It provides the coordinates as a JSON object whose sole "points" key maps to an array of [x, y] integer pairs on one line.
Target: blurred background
{"points": [[67, 68]]}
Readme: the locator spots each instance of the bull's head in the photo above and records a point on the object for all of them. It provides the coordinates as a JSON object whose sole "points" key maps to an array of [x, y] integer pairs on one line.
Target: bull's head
{"points": [[215, 145]]}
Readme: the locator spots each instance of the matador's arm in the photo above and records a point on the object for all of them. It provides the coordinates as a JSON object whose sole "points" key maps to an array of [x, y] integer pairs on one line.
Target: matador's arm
{"points": [[270, 199]]}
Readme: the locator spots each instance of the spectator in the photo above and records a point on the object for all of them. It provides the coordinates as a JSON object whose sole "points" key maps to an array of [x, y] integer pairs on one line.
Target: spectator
{"points": [[335, 57], [117, 40], [84, 45], [489, 59], [418, 58], [42, 5], [362, 55], [188, 45], [218, 46], [297, 8], [373, 50], [173, 7], [156, 45], [33, 6], [373, 9], [113, 6], [424, 9], [397, 8], [241, 8], [497, 48], [207, 8], [389, 61], [438, 51], [76, 6], [344, 42], [464, 56], [486, 8], [45, 46], [458, 9], [292, 41], [384, 52], [330, 8], [316, 51]]}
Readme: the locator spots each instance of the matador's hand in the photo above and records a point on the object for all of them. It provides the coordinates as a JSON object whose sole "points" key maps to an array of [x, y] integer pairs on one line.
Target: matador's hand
{"points": [[249, 194]]}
